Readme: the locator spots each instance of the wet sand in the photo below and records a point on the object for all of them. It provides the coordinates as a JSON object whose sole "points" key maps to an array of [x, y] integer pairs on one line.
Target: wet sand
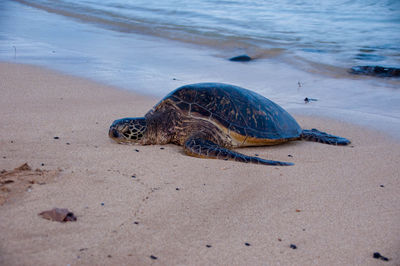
{"points": [[137, 205]]}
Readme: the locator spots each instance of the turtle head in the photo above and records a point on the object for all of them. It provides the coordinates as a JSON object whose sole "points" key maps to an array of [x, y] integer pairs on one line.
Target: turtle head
{"points": [[128, 130]]}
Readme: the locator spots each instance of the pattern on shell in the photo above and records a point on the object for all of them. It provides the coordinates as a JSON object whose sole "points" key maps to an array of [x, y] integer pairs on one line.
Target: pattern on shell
{"points": [[236, 109]]}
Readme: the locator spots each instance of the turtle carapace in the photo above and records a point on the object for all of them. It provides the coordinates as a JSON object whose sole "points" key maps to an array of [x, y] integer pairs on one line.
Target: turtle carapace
{"points": [[209, 119]]}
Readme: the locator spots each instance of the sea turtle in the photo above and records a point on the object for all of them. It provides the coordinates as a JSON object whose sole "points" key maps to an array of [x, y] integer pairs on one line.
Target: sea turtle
{"points": [[209, 119]]}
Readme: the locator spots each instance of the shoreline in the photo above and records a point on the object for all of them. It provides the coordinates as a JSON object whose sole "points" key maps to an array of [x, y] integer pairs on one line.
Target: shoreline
{"points": [[337, 205]]}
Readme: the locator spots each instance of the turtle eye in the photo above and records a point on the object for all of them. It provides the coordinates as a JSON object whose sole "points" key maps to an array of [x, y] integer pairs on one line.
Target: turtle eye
{"points": [[114, 133]]}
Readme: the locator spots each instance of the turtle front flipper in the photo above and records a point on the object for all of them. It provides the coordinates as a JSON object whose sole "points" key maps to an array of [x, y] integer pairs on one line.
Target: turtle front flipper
{"points": [[322, 137], [202, 148]]}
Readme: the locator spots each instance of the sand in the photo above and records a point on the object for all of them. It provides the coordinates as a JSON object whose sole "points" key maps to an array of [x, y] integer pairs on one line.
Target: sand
{"points": [[140, 205]]}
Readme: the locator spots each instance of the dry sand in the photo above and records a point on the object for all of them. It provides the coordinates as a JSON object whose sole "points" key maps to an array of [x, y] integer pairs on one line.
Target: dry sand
{"points": [[338, 205]]}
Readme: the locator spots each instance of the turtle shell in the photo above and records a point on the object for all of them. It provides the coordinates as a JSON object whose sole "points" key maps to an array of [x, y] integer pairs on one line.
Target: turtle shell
{"points": [[246, 114]]}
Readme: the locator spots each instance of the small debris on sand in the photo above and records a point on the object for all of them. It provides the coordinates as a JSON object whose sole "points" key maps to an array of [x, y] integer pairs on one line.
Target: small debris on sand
{"points": [[58, 215], [378, 256], [24, 167], [307, 100], [293, 246], [153, 257]]}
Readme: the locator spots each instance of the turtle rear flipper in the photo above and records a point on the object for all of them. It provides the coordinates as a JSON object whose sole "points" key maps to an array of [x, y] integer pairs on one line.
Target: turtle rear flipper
{"points": [[322, 137], [202, 148]]}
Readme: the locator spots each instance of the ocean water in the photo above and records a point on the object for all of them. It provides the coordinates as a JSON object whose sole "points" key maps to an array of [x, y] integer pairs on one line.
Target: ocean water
{"points": [[334, 32], [302, 48]]}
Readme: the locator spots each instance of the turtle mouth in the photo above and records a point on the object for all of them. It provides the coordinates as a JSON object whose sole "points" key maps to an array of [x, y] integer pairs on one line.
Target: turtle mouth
{"points": [[118, 136]]}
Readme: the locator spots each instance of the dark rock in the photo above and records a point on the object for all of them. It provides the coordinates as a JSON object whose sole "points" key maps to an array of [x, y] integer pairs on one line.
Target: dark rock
{"points": [[208, 246], [378, 256], [293, 246], [56, 137], [240, 58], [247, 244], [153, 257], [377, 71]]}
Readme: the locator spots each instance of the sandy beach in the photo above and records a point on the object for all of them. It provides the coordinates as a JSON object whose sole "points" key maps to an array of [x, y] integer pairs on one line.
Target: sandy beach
{"points": [[141, 205]]}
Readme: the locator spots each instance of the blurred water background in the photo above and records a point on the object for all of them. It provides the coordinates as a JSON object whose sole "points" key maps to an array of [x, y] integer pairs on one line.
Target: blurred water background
{"points": [[335, 32]]}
